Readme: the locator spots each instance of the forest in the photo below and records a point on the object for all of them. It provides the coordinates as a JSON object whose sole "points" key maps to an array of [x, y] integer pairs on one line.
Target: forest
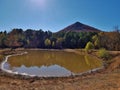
{"points": [[19, 38]]}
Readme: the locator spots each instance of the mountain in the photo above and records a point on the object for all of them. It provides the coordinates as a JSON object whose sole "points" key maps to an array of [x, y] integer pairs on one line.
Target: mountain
{"points": [[79, 27]]}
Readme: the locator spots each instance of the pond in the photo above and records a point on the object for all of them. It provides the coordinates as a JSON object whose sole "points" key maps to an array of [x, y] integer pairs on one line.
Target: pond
{"points": [[44, 63]]}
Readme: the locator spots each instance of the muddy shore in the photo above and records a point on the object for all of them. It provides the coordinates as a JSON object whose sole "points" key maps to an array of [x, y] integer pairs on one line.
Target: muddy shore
{"points": [[105, 79]]}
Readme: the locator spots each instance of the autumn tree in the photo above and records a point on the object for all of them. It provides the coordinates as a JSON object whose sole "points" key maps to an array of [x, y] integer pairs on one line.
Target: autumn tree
{"points": [[53, 44], [110, 40], [89, 46], [47, 42], [59, 42], [96, 41], [14, 38], [3, 39]]}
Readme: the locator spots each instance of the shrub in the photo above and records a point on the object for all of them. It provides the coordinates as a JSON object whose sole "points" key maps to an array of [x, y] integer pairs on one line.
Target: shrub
{"points": [[102, 53]]}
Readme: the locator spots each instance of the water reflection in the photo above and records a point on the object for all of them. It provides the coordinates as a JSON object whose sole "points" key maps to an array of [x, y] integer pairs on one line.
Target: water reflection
{"points": [[52, 63]]}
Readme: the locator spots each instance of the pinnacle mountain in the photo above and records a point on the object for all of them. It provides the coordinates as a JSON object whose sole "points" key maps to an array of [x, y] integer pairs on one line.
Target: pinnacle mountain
{"points": [[79, 27]]}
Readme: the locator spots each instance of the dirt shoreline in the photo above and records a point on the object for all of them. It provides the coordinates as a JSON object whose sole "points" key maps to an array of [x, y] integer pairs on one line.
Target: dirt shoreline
{"points": [[104, 79], [22, 76]]}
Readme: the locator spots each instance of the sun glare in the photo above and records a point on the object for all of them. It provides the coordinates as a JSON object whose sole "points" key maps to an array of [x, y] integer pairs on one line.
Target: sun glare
{"points": [[38, 3]]}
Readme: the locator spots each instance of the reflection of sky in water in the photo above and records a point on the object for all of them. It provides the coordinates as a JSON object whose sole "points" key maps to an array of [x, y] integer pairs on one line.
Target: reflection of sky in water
{"points": [[51, 63], [7, 66], [53, 70]]}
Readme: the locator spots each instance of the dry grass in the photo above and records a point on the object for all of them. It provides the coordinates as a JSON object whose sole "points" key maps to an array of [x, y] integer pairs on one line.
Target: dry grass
{"points": [[109, 79]]}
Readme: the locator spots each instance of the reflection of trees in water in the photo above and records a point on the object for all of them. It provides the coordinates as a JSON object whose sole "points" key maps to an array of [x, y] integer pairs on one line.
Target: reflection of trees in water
{"points": [[71, 61], [49, 56], [92, 62], [88, 62]]}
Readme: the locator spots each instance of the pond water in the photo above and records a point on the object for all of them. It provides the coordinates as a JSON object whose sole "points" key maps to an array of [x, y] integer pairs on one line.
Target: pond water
{"points": [[51, 63]]}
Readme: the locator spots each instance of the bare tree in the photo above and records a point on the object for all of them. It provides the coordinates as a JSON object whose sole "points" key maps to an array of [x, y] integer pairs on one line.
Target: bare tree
{"points": [[116, 29]]}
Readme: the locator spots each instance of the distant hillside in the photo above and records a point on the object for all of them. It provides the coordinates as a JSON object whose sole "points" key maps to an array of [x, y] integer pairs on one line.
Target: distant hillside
{"points": [[79, 27]]}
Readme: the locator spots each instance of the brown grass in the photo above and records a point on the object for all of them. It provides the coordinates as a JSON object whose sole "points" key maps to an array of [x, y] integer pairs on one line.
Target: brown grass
{"points": [[109, 79]]}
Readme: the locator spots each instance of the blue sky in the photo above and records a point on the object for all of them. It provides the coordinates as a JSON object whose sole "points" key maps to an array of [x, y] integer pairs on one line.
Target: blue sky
{"points": [[54, 15]]}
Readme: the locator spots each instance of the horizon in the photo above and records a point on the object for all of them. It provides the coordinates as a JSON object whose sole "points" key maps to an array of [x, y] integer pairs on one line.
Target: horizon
{"points": [[51, 31], [55, 15]]}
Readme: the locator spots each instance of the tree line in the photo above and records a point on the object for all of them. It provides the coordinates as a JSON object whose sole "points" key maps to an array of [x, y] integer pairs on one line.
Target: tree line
{"points": [[29, 38]]}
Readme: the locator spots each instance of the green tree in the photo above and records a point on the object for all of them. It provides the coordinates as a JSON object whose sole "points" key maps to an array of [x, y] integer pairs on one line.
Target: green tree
{"points": [[89, 46]]}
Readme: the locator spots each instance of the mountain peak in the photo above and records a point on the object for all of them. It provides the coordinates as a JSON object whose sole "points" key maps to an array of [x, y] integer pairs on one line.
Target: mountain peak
{"points": [[77, 23], [79, 27]]}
